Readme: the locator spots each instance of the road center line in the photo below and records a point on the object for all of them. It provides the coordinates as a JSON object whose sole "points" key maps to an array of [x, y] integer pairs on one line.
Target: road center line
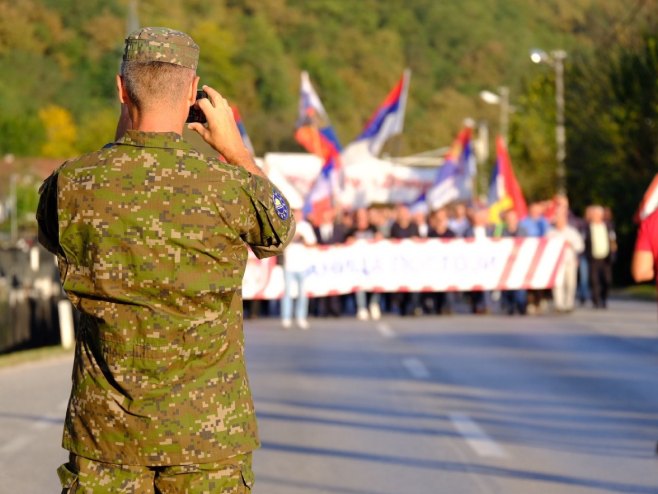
{"points": [[385, 330], [475, 436], [416, 368]]}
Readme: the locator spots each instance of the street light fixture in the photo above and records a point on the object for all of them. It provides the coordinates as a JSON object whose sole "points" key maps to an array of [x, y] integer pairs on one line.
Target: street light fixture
{"points": [[501, 98], [556, 60], [538, 56]]}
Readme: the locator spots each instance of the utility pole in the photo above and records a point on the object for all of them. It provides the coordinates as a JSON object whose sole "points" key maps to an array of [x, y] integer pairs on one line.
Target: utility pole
{"points": [[560, 134], [504, 112], [132, 23], [556, 60], [13, 200], [502, 100]]}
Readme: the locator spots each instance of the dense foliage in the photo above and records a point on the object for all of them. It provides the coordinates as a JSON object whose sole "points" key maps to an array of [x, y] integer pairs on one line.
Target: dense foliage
{"points": [[59, 57]]}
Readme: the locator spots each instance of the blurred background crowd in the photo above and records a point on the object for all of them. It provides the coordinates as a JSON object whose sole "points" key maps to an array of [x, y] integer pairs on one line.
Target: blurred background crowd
{"points": [[590, 254]]}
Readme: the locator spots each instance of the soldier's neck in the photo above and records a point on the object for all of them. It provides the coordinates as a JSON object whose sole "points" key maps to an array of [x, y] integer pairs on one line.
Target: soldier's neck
{"points": [[158, 122]]}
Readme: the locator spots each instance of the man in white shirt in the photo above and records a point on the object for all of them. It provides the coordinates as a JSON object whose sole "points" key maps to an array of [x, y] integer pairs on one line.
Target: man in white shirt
{"points": [[564, 291], [296, 263]]}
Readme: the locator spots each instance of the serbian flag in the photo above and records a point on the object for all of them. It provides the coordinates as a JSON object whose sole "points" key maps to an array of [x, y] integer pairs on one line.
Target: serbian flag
{"points": [[454, 178], [649, 202], [504, 190], [321, 196], [388, 119], [314, 131], [243, 130]]}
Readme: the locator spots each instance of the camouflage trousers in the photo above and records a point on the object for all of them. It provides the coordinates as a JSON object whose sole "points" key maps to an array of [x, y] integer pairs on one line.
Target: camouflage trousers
{"points": [[83, 476]]}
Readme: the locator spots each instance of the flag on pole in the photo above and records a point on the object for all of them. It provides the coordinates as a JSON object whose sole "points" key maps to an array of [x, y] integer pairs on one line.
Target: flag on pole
{"points": [[649, 202], [454, 178], [504, 190], [321, 196], [314, 131], [388, 119], [243, 130]]}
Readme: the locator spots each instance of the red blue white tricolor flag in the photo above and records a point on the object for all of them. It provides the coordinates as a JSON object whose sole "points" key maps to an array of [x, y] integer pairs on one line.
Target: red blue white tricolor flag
{"points": [[314, 131], [504, 190], [388, 119], [321, 196], [454, 178]]}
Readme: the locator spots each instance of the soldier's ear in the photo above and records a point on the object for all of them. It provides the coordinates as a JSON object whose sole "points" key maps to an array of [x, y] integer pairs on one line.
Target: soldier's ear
{"points": [[121, 90], [191, 96]]}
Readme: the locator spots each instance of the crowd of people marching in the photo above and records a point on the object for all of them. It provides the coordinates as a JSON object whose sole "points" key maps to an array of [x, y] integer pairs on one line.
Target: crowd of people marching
{"points": [[591, 248]]}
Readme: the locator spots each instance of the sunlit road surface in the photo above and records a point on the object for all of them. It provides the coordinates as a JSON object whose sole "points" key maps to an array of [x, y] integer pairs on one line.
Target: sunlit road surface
{"points": [[459, 404]]}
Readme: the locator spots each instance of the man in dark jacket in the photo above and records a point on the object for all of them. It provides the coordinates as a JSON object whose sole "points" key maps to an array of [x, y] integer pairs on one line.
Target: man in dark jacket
{"points": [[600, 248]]}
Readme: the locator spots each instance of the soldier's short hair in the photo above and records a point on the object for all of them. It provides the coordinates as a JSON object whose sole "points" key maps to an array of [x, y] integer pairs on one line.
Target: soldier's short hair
{"points": [[158, 66], [151, 84]]}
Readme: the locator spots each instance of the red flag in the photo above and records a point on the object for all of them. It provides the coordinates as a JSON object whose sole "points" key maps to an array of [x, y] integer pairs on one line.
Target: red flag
{"points": [[649, 202], [504, 191]]}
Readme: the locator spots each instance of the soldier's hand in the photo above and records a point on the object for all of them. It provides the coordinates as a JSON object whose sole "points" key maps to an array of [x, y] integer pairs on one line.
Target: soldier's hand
{"points": [[221, 131]]}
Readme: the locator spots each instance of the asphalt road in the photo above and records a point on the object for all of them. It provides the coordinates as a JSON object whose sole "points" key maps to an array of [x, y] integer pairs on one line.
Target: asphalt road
{"points": [[460, 404]]}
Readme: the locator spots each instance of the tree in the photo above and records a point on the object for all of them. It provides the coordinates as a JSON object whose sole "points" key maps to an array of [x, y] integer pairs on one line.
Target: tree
{"points": [[61, 132]]}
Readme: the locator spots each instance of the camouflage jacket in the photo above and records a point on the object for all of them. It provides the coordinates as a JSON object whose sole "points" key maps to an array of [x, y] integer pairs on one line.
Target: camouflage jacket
{"points": [[151, 238]]}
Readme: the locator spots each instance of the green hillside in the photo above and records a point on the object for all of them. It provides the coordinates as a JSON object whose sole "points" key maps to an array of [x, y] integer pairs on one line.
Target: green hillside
{"points": [[62, 54], [59, 57]]}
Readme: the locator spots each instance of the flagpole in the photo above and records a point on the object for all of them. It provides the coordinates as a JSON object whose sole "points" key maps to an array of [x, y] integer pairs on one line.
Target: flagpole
{"points": [[482, 142], [406, 79]]}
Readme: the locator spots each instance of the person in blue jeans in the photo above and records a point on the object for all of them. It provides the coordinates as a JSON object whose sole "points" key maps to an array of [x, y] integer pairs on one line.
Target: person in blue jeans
{"points": [[364, 230], [514, 300], [535, 225], [583, 292], [296, 263]]}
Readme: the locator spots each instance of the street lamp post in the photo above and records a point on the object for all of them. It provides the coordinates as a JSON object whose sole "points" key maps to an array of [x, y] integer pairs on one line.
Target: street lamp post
{"points": [[13, 200], [501, 98], [556, 60]]}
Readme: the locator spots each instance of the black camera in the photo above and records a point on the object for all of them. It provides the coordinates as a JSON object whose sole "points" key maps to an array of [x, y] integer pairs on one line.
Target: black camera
{"points": [[196, 114]]}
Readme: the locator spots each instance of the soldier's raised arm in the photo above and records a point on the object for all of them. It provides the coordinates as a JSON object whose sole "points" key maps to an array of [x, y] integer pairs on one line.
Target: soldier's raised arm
{"points": [[270, 225], [222, 133]]}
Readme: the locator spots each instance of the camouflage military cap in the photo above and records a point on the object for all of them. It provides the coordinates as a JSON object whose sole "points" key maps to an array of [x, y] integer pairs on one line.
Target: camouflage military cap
{"points": [[161, 44]]}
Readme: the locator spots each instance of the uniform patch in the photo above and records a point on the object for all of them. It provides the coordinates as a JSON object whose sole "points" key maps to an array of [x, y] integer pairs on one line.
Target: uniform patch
{"points": [[280, 205]]}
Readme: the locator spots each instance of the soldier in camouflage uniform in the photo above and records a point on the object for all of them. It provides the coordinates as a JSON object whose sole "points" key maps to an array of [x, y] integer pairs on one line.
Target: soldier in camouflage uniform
{"points": [[151, 240]]}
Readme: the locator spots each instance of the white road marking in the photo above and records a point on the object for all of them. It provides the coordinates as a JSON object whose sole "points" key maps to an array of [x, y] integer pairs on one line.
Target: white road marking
{"points": [[385, 330], [476, 438], [15, 444], [416, 368]]}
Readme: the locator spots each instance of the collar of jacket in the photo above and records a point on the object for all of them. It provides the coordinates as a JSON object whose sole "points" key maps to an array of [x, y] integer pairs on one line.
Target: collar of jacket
{"points": [[165, 140]]}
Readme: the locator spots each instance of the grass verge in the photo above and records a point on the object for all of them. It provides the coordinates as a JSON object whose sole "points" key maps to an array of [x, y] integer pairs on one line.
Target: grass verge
{"points": [[638, 292], [31, 355]]}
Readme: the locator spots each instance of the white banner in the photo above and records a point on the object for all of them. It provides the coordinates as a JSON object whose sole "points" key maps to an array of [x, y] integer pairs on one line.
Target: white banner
{"points": [[417, 265], [367, 180]]}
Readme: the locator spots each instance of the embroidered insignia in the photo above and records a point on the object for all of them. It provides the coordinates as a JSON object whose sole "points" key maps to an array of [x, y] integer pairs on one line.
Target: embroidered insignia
{"points": [[280, 205]]}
